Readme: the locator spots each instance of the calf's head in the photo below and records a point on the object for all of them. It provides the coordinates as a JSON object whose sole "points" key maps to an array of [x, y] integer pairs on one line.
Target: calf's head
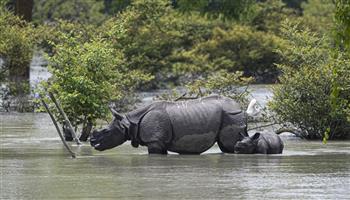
{"points": [[247, 145], [113, 135]]}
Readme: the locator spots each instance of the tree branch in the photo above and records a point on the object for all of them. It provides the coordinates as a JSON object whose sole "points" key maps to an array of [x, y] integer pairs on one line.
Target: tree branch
{"points": [[57, 128], [68, 123], [182, 97], [262, 126]]}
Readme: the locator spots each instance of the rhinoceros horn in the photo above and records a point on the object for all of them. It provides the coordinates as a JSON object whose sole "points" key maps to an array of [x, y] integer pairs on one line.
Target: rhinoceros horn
{"points": [[116, 114]]}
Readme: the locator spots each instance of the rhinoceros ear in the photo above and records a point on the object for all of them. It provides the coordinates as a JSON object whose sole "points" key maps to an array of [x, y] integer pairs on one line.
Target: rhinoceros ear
{"points": [[255, 136], [116, 114]]}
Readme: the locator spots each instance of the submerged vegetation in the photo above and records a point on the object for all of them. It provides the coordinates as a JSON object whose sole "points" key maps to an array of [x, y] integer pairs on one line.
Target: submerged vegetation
{"points": [[101, 52]]}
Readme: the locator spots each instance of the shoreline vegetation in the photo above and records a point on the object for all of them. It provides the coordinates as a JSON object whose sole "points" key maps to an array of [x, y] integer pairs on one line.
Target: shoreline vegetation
{"points": [[102, 53]]}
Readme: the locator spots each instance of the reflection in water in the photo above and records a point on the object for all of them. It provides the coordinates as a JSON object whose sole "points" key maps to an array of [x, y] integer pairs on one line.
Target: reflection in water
{"points": [[35, 165]]}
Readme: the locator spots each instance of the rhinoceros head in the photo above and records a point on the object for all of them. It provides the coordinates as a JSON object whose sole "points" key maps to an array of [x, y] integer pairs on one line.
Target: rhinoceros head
{"points": [[247, 145], [113, 135]]}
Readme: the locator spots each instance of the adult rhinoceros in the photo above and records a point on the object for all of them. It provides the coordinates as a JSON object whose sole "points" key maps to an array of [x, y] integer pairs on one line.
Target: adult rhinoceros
{"points": [[185, 127]]}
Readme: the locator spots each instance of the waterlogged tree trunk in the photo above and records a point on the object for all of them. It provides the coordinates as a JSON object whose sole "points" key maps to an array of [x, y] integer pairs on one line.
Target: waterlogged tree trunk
{"points": [[67, 132], [23, 8], [85, 133], [87, 127], [19, 69], [107, 6]]}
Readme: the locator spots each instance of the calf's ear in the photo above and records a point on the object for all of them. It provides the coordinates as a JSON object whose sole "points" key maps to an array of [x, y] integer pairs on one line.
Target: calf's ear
{"points": [[255, 136]]}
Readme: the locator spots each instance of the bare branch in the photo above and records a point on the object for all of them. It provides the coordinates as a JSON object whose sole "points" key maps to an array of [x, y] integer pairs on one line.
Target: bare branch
{"points": [[263, 126], [68, 123], [180, 97], [57, 128]]}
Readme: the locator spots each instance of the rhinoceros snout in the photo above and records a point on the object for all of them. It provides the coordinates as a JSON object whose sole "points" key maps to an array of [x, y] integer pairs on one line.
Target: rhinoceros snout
{"points": [[93, 138], [95, 143], [98, 139]]}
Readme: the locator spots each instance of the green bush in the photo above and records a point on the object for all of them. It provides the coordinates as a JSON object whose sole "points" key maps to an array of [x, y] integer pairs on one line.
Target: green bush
{"points": [[178, 48], [240, 48], [314, 93], [50, 34], [17, 42], [342, 16], [239, 10], [87, 76], [318, 15], [270, 14], [141, 34], [149, 32], [81, 11]]}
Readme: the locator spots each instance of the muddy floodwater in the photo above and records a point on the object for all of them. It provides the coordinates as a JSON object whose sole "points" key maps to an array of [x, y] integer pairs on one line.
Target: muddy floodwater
{"points": [[35, 165]]}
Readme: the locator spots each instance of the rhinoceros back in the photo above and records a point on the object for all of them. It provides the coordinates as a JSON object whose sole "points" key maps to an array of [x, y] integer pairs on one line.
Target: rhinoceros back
{"points": [[195, 124]]}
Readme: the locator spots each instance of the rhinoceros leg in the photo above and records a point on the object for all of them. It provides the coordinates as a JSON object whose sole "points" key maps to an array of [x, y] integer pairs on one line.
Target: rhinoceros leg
{"points": [[156, 148], [227, 139], [155, 131], [232, 126]]}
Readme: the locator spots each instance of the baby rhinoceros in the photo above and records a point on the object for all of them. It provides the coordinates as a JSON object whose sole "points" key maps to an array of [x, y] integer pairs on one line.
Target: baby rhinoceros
{"points": [[267, 143]]}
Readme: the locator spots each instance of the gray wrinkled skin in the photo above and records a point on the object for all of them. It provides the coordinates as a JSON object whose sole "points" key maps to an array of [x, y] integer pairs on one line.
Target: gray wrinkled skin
{"points": [[267, 143], [185, 127]]}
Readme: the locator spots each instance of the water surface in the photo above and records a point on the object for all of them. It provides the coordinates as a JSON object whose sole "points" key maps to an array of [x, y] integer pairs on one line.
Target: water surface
{"points": [[35, 165]]}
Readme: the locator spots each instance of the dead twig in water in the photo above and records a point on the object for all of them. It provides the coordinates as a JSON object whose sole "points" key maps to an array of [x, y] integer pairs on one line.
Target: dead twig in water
{"points": [[70, 127], [57, 128]]}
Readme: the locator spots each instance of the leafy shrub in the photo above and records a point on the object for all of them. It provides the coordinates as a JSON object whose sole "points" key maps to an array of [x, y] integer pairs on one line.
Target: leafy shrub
{"points": [[141, 35], [82, 11], [270, 14], [149, 32], [178, 48], [342, 15], [224, 9], [88, 76], [318, 15], [17, 41], [50, 34], [314, 93], [239, 48]]}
